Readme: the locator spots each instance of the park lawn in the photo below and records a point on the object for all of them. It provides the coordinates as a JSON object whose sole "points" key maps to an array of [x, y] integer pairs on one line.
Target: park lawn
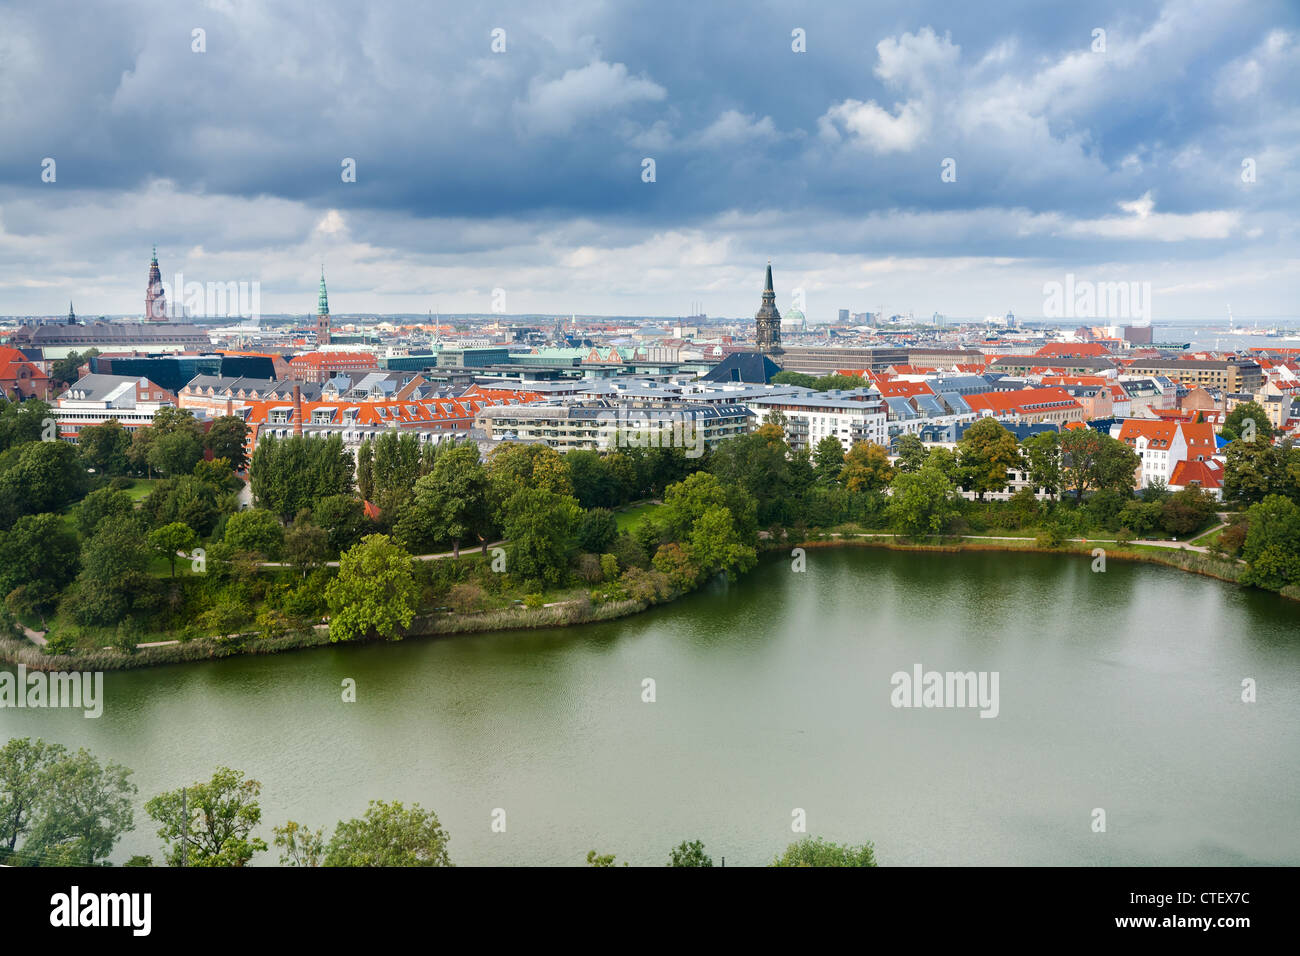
{"points": [[629, 518], [141, 487], [1207, 540]]}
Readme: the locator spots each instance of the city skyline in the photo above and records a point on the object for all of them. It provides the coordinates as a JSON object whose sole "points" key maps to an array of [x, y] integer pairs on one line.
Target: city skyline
{"points": [[515, 162]]}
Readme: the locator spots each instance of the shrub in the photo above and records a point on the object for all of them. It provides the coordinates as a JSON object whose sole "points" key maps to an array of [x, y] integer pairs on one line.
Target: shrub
{"points": [[589, 568], [533, 601], [60, 644], [812, 851], [466, 598], [1050, 537]]}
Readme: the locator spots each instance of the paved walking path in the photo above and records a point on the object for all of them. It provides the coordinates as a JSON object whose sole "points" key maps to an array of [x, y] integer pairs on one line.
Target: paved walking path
{"points": [[414, 557], [1161, 543]]}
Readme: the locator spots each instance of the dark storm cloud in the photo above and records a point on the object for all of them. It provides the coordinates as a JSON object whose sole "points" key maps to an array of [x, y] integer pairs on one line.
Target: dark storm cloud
{"points": [[836, 150]]}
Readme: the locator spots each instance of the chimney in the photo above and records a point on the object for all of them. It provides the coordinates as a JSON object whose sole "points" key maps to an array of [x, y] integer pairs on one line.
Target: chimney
{"points": [[297, 410], [230, 406]]}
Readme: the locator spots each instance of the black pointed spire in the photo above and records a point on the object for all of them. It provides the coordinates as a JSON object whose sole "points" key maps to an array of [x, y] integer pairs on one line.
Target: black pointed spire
{"points": [[767, 320]]}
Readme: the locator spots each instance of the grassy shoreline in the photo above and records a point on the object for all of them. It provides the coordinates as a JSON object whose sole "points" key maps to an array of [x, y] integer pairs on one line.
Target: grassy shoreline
{"points": [[570, 614], [1192, 561], [213, 648]]}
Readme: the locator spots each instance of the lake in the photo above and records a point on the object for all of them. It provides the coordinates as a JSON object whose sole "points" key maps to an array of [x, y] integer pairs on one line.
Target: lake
{"points": [[1119, 691]]}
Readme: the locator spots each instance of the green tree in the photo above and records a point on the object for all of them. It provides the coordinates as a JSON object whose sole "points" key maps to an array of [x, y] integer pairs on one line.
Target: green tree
{"points": [[924, 502], [227, 439], [1043, 456], [306, 547], [1091, 461], [812, 851], [593, 484], [1235, 425], [866, 469], [47, 476], [22, 422], [68, 369], [100, 504], [375, 591], [24, 770], [758, 464], [256, 531], [289, 474], [513, 466], [38, 553], [598, 530], [1272, 549], [716, 544], [1187, 510], [828, 459], [222, 815], [104, 447], [113, 579], [84, 810], [299, 845], [541, 528], [689, 854], [344, 520], [911, 452], [173, 538], [836, 381], [450, 503], [177, 441], [1250, 471], [184, 499], [390, 835], [802, 379], [988, 452]]}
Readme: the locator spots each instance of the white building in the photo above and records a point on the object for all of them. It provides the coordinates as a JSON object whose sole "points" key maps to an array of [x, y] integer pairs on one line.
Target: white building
{"points": [[850, 416], [95, 399]]}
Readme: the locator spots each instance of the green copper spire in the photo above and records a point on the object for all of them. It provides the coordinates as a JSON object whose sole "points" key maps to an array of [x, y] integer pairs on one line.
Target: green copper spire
{"points": [[323, 302], [155, 253]]}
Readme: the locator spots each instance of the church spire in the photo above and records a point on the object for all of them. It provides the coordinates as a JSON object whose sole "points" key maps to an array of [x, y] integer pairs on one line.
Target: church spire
{"points": [[767, 321], [323, 299], [155, 302], [322, 312]]}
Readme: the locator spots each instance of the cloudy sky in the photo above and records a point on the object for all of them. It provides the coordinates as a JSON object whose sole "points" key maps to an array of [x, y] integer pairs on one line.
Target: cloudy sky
{"points": [[523, 170]]}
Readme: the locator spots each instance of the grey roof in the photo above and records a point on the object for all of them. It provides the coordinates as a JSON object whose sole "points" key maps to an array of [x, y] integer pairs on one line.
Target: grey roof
{"points": [[267, 388], [957, 404], [113, 334], [752, 367], [101, 388], [960, 384], [900, 408]]}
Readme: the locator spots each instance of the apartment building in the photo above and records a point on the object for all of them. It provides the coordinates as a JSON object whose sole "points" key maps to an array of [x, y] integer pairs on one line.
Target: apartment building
{"points": [[1230, 375], [1163, 444], [1028, 406], [604, 425], [849, 416]]}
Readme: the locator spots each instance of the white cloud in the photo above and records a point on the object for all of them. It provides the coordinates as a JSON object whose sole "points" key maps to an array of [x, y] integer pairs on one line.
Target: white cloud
{"points": [[555, 106], [866, 124], [733, 128]]}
